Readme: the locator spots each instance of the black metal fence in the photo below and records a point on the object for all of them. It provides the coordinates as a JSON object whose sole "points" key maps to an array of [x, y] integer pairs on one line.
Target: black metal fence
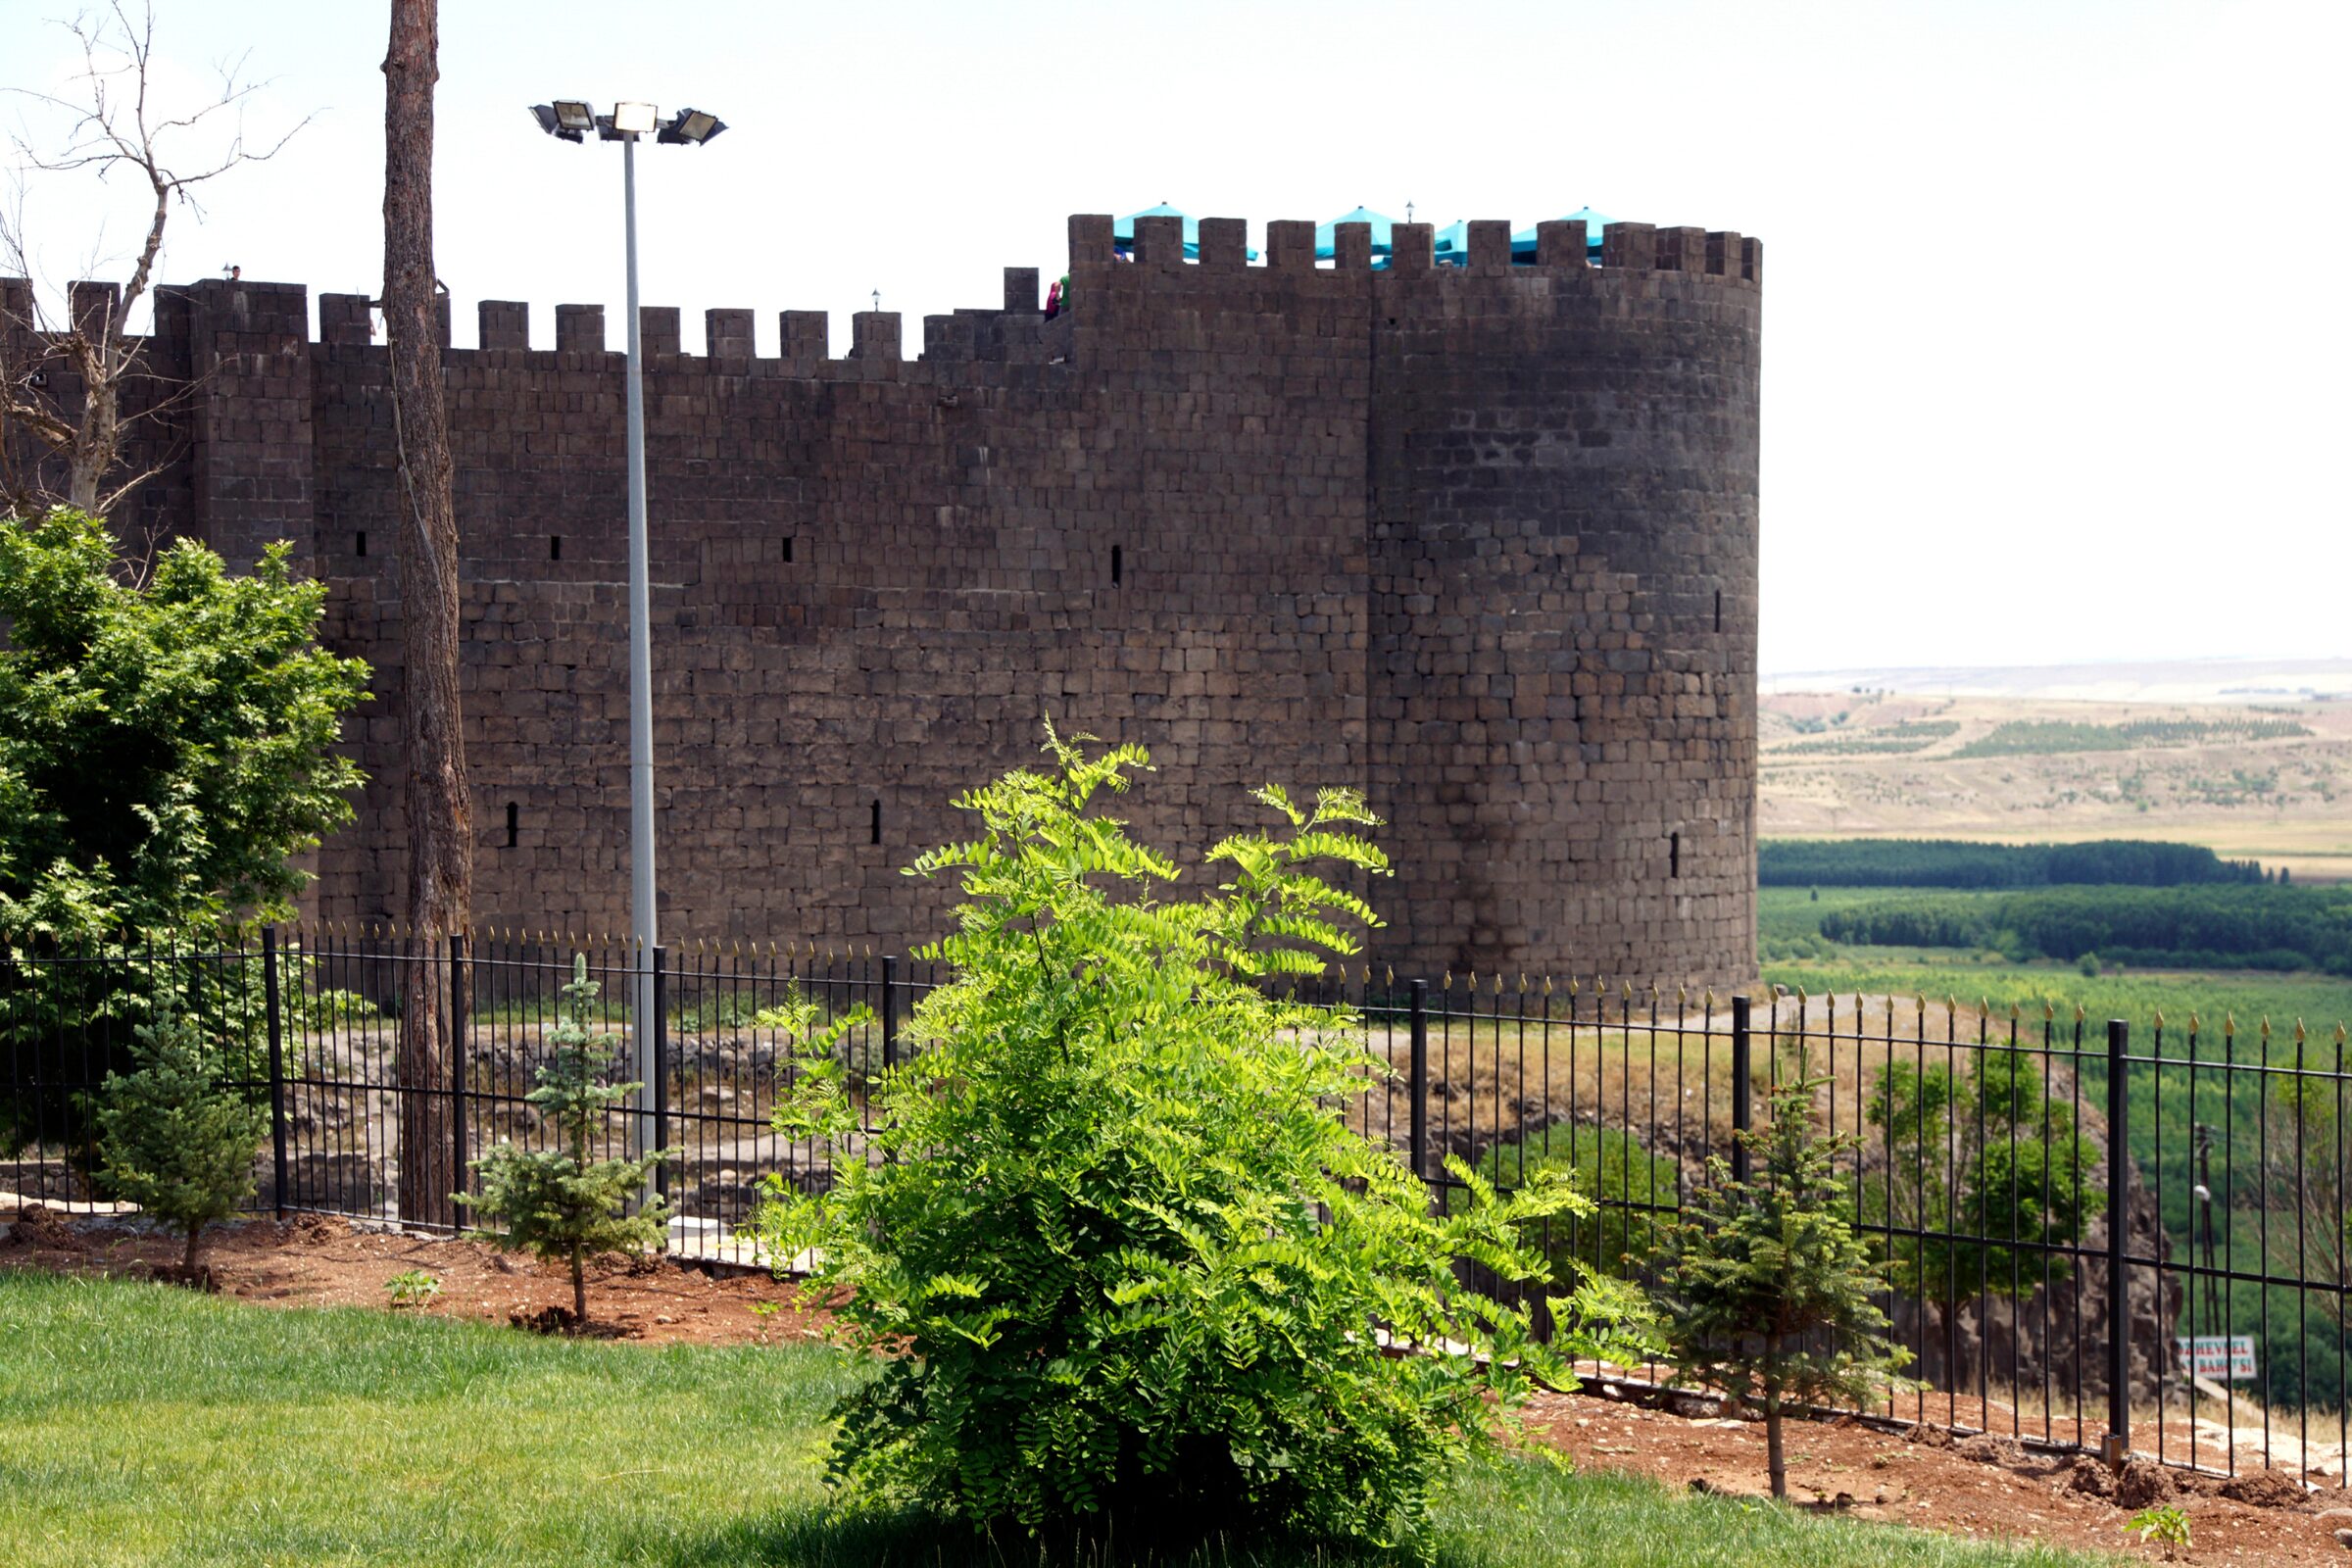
{"points": [[2191, 1300]]}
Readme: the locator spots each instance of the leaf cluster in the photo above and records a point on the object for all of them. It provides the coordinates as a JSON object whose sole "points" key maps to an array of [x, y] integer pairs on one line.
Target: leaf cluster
{"points": [[1120, 1256], [165, 750], [1989, 1164]]}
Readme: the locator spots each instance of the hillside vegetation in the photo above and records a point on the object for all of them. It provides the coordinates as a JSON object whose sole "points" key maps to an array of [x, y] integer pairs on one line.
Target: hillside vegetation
{"points": [[1955, 864], [2200, 928]]}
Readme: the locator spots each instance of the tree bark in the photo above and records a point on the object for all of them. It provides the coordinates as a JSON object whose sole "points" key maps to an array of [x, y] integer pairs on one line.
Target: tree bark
{"points": [[1776, 1462], [440, 890], [579, 1290]]}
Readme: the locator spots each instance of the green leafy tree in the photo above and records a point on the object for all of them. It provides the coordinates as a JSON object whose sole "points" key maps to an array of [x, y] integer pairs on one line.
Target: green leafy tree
{"points": [[1124, 1259], [1981, 1177], [1769, 1291], [175, 1138], [166, 752], [564, 1202]]}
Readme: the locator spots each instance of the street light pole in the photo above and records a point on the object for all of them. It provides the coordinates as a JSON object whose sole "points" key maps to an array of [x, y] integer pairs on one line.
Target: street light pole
{"points": [[643, 913], [572, 119]]}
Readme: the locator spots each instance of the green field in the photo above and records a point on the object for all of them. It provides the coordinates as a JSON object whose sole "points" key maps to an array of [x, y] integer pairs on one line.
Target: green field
{"points": [[1789, 933], [142, 1424]]}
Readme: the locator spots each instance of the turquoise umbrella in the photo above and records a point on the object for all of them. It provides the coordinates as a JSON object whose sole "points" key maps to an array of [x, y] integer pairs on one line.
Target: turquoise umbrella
{"points": [[1122, 233], [1454, 243], [1326, 246], [1523, 243]]}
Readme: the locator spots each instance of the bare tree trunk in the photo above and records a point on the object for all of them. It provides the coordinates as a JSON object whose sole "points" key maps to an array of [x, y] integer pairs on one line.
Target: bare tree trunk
{"points": [[579, 1290], [1775, 1461], [439, 811]]}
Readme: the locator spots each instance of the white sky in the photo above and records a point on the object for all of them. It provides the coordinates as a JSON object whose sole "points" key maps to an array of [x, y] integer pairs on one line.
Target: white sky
{"points": [[2058, 332]]}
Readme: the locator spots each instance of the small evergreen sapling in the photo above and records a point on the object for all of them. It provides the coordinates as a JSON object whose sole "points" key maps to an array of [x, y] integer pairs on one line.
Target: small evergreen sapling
{"points": [[174, 1136], [559, 1202], [1769, 1291]]}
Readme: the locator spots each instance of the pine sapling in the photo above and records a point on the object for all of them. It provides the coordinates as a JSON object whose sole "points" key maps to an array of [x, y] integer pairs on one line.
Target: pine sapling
{"points": [[560, 1203], [174, 1136], [1769, 1293]]}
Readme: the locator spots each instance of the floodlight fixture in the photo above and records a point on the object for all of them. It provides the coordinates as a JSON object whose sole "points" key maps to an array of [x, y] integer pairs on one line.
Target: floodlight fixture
{"points": [[634, 118], [552, 120], [574, 115], [691, 127]]}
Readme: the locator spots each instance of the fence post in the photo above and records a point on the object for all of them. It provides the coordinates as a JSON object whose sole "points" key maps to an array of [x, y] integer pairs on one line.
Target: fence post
{"points": [[277, 1070], [457, 1013], [2118, 1443], [1743, 1085], [890, 1011], [660, 1083], [1417, 1083]]}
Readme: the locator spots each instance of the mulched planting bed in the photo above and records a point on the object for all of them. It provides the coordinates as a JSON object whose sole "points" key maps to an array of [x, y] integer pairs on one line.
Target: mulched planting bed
{"points": [[313, 1260], [1985, 1488]]}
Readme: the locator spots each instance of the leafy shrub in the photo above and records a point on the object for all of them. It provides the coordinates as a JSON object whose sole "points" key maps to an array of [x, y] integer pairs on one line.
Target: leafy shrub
{"points": [[328, 1009], [559, 1202], [411, 1286], [1124, 1258], [2163, 1524], [1633, 1190], [174, 1137]]}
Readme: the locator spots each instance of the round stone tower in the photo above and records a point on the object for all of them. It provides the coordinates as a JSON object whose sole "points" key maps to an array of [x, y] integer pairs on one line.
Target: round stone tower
{"points": [[1563, 601]]}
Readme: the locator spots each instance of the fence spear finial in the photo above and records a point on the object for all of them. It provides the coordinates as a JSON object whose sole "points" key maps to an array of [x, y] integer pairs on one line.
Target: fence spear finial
{"points": [[2299, 1035], [2158, 1021]]}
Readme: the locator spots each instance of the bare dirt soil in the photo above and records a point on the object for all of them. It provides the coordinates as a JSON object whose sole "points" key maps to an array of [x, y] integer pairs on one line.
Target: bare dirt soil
{"points": [[1984, 1487], [318, 1261], [1987, 1487]]}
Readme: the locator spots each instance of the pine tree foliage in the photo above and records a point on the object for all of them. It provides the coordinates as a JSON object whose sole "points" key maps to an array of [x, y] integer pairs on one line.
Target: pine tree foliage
{"points": [[174, 1136], [1125, 1265], [1768, 1293], [563, 1202]]}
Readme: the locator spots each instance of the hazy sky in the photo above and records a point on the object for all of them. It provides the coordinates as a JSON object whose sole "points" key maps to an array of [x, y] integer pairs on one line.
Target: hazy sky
{"points": [[2058, 334]]}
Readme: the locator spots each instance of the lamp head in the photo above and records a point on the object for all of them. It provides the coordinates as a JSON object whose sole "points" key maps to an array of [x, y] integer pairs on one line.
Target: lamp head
{"points": [[691, 127], [634, 118], [553, 120]]}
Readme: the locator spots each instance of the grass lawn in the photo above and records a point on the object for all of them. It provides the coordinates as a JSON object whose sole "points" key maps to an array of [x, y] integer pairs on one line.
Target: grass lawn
{"points": [[142, 1424]]}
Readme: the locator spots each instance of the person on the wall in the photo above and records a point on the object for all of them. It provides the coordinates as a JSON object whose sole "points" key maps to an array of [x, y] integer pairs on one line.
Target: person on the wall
{"points": [[1056, 295]]}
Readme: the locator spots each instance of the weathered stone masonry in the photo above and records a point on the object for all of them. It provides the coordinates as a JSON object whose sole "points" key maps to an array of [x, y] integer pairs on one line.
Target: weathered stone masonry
{"points": [[1481, 541]]}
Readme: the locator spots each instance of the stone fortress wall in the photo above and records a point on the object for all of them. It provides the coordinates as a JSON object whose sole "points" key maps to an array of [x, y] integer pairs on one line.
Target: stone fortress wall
{"points": [[1481, 541]]}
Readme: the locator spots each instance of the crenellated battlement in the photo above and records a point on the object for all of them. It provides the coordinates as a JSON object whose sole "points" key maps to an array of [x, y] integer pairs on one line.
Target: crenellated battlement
{"points": [[1015, 333]]}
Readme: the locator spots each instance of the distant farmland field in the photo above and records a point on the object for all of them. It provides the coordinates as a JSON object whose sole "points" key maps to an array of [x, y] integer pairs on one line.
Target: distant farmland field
{"points": [[2270, 783]]}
